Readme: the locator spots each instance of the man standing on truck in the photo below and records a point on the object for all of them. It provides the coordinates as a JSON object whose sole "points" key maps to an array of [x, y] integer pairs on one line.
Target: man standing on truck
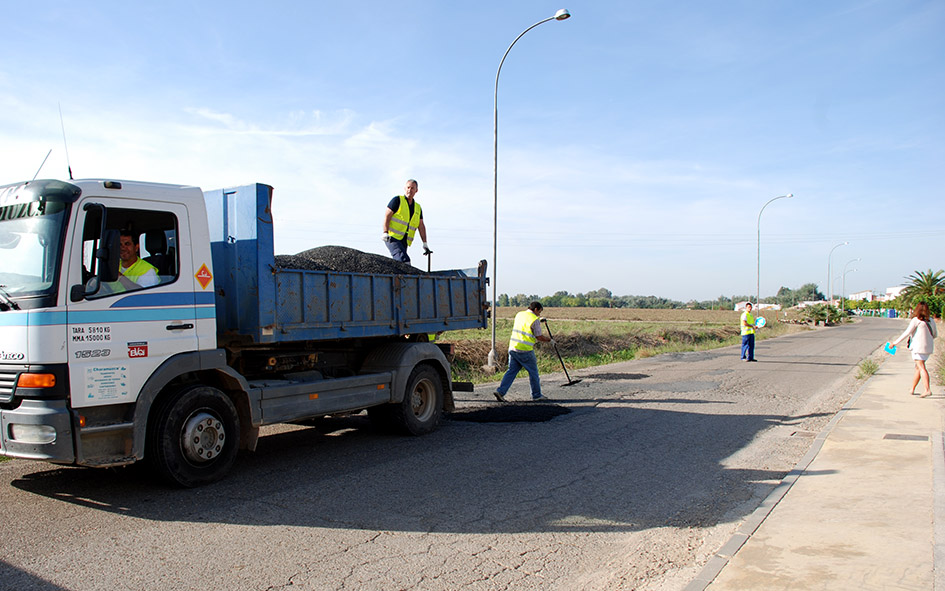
{"points": [[526, 331], [402, 219]]}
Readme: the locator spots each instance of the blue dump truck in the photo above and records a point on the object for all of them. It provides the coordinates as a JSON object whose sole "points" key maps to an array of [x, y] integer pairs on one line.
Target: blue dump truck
{"points": [[182, 365]]}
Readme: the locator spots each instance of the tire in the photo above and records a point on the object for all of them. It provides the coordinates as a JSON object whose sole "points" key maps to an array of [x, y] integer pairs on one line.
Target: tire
{"points": [[422, 407], [194, 437]]}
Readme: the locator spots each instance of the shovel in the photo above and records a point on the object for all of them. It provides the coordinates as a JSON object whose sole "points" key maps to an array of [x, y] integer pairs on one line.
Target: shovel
{"points": [[427, 252], [555, 345]]}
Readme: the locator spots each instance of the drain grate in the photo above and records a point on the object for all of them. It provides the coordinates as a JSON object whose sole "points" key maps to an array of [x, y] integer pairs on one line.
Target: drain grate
{"points": [[528, 412], [900, 437]]}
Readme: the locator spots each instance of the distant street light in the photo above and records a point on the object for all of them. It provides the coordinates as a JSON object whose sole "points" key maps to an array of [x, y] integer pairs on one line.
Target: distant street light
{"points": [[561, 15], [830, 294], [843, 282], [758, 286]]}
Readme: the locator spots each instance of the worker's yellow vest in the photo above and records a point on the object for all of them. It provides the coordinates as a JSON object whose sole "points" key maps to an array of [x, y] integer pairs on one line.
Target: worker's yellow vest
{"points": [[139, 268], [522, 337], [402, 224], [749, 323]]}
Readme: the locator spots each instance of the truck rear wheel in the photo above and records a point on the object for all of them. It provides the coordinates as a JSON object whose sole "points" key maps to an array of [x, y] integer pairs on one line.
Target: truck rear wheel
{"points": [[422, 407], [195, 436]]}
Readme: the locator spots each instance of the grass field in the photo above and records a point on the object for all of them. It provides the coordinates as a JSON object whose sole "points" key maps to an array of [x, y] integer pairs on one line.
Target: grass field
{"points": [[587, 337]]}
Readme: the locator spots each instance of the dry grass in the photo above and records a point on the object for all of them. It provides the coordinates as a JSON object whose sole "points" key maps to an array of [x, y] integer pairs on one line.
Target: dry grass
{"points": [[633, 315]]}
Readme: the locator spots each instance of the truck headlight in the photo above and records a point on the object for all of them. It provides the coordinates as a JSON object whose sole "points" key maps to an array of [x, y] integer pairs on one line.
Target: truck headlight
{"points": [[32, 433]]}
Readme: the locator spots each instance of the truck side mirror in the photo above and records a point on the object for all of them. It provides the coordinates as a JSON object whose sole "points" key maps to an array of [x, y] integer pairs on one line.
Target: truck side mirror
{"points": [[108, 256]]}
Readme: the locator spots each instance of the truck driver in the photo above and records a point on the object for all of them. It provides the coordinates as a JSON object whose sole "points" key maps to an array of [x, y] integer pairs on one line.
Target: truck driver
{"points": [[134, 272]]}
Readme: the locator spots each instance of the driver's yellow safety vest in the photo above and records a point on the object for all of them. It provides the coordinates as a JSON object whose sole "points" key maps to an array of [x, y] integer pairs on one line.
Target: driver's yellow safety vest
{"points": [[139, 268]]}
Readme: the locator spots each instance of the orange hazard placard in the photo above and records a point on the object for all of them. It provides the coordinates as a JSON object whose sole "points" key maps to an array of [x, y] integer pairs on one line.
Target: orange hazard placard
{"points": [[204, 276]]}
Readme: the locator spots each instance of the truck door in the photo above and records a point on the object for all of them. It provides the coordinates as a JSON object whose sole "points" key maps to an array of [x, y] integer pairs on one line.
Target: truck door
{"points": [[121, 331]]}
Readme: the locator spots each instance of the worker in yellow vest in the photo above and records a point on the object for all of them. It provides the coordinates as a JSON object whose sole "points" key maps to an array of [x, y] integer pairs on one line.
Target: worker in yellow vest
{"points": [[133, 271], [748, 334], [402, 220], [526, 331]]}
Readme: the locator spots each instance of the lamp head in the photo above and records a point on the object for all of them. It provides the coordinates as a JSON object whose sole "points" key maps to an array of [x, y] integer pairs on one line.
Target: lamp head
{"points": [[562, 14]]}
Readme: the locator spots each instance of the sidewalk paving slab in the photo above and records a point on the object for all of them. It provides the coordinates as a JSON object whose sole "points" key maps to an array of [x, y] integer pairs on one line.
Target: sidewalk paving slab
{"points": [[860, 510]]}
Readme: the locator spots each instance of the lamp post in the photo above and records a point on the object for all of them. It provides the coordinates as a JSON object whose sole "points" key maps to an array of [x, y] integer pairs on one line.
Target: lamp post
{"points": [[758, 286], [561, 15], [830, 294], [843, 282]]}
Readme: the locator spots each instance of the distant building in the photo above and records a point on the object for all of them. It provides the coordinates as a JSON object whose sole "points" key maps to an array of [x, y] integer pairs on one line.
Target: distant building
{"points": [[809, 303], [862, 296], [892, 293], [740, 306]]}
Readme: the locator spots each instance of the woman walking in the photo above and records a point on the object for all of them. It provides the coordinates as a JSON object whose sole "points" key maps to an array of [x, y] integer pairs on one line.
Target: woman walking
{"points": [[922, 331]]}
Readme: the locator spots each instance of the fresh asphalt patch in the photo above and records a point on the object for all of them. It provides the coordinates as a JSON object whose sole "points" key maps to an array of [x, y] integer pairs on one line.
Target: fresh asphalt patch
{"points": [[512, 412], [616, 376]]}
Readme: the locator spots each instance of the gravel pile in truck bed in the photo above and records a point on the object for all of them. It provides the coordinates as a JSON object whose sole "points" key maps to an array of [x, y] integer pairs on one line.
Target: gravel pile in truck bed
{"points": [[344, 260]]}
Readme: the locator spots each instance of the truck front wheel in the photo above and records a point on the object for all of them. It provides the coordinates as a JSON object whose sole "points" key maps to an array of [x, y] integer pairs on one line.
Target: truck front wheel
{"points": [[422, 407], [195, 436]]}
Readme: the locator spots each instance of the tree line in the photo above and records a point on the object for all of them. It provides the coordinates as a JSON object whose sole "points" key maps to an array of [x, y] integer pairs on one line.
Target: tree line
{"points": [[604, 298], [926, 286]]}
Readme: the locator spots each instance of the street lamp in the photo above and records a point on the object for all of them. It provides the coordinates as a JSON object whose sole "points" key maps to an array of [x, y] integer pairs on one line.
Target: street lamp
{"points": [[843, 282], [758, 286], [561, 15], [830, 294]]}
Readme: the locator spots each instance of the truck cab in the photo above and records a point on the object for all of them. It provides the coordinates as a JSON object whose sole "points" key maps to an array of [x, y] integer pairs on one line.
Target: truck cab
{"points": [[77, 345]]}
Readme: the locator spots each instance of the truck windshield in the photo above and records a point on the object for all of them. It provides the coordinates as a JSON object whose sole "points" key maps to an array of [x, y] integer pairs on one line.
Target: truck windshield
{"points": [[30, 241]]}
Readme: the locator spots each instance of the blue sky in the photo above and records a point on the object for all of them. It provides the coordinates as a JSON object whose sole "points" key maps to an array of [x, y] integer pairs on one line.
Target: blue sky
{"points": [[638, 141]]}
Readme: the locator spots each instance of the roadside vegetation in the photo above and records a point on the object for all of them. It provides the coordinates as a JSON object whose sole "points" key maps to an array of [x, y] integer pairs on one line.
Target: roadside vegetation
{"points": [[929, 285], [867, 367], [604, 298]]}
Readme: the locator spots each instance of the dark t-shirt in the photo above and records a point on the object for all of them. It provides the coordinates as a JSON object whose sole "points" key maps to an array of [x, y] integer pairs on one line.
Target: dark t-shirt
{"points": [[394, 205]]}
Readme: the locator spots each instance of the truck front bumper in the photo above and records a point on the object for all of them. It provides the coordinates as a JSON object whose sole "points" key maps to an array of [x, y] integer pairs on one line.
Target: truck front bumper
{"points": [[38, 430]]}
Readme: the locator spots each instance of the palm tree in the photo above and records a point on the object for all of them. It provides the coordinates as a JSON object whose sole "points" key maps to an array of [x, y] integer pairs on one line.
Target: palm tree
{"points": [[817, 313], [924, 283]]}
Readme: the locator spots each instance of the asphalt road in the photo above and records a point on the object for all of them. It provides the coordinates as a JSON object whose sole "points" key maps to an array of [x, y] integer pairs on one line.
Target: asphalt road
{"points": [[632, 481]]}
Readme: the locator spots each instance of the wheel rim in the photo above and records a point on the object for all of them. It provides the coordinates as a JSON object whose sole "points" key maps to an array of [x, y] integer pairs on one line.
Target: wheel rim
{"points": [[202, 437], [422, 400]]}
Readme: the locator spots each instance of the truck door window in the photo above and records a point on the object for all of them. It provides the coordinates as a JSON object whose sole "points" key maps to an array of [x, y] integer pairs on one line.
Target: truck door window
{"points": [[148, 249]]}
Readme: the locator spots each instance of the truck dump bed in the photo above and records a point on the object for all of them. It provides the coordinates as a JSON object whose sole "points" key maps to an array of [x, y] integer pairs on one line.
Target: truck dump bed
{"points": [[260, 303]]}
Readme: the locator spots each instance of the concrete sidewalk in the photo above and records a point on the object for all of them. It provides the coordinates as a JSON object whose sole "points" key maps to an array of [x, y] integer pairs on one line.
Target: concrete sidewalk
{"points": [[864, 509]]}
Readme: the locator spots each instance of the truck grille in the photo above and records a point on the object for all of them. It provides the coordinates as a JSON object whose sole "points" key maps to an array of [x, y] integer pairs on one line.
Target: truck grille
{"points": [[8, 377]]}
